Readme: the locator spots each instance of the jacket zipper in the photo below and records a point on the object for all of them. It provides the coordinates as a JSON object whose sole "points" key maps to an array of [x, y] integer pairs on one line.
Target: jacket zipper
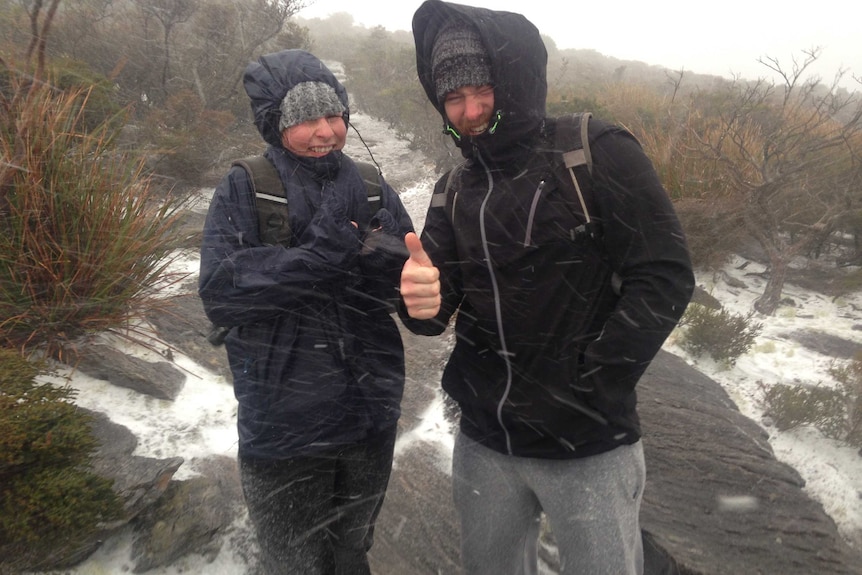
{"points": [[504, 350], [528, 236]]}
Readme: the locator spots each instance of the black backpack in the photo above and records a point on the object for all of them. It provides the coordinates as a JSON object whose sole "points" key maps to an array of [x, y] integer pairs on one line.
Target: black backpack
{"points": [[272, 208]]}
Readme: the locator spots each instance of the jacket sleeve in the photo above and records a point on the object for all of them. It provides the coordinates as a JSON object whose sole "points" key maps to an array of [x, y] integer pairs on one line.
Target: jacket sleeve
{"points": [[438, 240], [242, 281], [647, 248], [383, 251]]}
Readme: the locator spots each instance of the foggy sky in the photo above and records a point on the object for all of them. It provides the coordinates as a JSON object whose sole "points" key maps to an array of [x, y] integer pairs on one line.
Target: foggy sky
{"points": [[724, 39]]}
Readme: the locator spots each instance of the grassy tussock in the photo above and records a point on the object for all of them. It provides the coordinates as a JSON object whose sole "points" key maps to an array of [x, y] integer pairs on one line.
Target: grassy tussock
{"points": [[86, 239]]}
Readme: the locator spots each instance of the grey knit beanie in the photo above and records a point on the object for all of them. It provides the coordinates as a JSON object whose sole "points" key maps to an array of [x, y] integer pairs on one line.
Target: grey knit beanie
{"points": [[309, 101], [459, 59]]}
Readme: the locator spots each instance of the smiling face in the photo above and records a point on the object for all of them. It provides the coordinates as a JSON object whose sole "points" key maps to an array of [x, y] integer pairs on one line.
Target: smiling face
{"points": [[315, 138], [470, 108]]}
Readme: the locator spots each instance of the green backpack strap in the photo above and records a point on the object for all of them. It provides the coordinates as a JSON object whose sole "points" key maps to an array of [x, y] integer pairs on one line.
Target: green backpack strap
{"points": [[271, 204], [371, 176], [270, 200]]}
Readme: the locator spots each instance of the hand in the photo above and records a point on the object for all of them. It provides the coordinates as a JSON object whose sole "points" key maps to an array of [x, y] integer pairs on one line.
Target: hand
{"points": [[384, 238], [420, 281], [331, 236]]}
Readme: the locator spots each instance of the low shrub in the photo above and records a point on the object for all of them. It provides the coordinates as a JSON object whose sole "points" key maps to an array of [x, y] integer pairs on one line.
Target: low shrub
{"points": [[50, 500], [850, 376], [836, 412], [723, 335], [790, 406], [183, 133]]}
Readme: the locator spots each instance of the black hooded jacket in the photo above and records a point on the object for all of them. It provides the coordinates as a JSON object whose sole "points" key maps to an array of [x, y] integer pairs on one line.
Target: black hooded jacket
{"points": [[548, 351], [316, 356]]}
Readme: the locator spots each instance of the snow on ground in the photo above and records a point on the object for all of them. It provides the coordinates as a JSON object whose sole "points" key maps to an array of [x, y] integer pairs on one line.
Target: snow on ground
{"points": [[832, 470]]}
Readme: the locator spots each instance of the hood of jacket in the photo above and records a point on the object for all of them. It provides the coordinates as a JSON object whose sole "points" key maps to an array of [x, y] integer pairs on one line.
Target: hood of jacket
{"points": [[268, 80], [518, 68]]}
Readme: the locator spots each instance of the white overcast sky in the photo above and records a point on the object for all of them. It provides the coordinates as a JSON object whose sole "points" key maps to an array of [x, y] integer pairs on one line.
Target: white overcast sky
{"points": [[723, 38]]}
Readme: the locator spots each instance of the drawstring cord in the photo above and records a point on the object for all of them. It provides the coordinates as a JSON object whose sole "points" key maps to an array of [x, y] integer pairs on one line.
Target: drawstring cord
{"points": [[361, 139]]}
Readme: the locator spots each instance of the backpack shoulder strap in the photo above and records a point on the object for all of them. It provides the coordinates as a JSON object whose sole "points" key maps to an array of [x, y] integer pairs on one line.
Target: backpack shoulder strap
{"points": [[371, 176], [270, 200], [441, 199], [572, 139]]}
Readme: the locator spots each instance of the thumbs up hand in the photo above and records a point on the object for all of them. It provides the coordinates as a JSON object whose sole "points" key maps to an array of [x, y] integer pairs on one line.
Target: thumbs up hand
{"points": [[420, 281]]}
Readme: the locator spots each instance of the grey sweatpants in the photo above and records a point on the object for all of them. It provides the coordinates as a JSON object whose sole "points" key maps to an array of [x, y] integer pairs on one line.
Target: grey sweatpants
{"points": [[592, 505]]}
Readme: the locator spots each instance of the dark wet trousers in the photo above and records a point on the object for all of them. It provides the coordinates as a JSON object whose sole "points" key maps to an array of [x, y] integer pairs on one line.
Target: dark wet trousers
{"points": [[314, 515]]}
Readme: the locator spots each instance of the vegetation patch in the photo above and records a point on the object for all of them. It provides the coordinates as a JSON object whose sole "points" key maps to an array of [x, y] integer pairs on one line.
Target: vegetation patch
{"points": [[85, 239], [723, 335], [835, 411], [50, 499]]}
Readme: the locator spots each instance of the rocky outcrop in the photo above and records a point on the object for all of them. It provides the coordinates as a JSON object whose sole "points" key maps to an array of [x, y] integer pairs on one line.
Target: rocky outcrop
{"points": [[138, 481], [167, 518], [161, 379], [189, 517], [717, 500], [181, 322]]}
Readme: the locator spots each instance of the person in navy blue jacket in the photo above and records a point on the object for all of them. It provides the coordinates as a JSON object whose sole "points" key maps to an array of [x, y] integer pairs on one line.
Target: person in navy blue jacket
{"points": [[316, 356]]}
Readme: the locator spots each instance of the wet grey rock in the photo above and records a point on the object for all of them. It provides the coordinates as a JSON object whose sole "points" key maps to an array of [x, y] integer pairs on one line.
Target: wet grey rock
{"points": [[188, 518], [181, 323], [161, 380], [717, 500], [826, 344], [704, 298], [417, 531], [139, 482]]}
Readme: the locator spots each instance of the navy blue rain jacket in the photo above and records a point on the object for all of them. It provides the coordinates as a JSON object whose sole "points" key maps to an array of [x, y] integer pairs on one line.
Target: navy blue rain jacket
{"points": [[316, 357]]}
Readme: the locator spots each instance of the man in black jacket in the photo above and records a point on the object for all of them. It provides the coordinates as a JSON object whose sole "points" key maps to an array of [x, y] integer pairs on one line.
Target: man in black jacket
{"points": [[554, 326]]}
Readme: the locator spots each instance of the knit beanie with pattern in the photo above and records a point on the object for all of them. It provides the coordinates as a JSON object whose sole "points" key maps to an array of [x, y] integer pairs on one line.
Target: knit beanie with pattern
{"points": [[309, 101], [459, 59]]}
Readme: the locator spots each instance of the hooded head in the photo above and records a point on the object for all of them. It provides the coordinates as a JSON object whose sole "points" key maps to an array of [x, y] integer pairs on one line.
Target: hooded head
{"points": [[290, 87], [458, 44]]}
